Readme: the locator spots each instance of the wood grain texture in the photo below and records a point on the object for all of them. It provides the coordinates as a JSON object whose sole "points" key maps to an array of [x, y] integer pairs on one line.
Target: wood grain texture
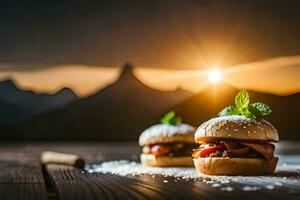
{"points": [[72, 183], [22, 192], [21, 181], [21, 177]]}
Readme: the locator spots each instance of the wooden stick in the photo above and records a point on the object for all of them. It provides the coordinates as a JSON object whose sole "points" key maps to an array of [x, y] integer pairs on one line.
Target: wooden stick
{"points": [[50, 157]]}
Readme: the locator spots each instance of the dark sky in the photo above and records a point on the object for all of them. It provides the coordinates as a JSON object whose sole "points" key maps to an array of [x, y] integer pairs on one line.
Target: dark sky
{"points": [[151, 33]]}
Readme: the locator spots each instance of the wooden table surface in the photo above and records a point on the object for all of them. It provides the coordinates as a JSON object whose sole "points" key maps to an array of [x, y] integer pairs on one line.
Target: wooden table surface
{"points": [[22, 177]]}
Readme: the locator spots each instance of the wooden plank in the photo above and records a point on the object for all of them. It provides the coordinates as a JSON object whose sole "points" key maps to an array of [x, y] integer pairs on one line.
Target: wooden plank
{"points": [[22, 191], [21, 177], [14, 173], [72, 183], [21, 181], [20, 172]]}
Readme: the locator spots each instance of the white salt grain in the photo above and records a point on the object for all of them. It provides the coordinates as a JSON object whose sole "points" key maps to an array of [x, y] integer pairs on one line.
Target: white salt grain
{"points": [[124, 168], [249, 183], [224, 181], [227, 189], [270, 187], [216, 185], [165, 181], [250, 188]]}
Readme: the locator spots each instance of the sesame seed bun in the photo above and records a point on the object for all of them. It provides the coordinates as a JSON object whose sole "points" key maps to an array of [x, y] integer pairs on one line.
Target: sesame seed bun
{"points": [[166, 161], [164, 133], [235, 166], [238, 128]]}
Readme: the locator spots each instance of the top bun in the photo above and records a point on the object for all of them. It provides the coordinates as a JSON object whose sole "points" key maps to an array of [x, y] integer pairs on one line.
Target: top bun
{"points": [[236, 127], [164, 133]]}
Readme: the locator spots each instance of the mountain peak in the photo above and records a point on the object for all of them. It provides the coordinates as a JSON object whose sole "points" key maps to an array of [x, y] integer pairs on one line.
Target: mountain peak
{"points": [[127, 73], [66, 91], [127, 68], [8, 83]]}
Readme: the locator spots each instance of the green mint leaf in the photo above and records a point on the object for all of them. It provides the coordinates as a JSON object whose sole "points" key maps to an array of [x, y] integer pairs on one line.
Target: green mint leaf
{"points": [[244, 108], [175, 121], [255, 111], [170, 118], [242, 100], [260, 109], [230, 110], [249, 114], [167, 117]]}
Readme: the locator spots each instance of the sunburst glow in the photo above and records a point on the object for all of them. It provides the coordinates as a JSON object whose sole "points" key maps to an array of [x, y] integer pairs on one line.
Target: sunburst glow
{"points": [[214, 76]]}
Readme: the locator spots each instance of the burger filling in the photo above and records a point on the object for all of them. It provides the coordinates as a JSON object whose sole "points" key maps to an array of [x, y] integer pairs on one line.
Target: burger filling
{"points": [[170, 149], [235, 150]]}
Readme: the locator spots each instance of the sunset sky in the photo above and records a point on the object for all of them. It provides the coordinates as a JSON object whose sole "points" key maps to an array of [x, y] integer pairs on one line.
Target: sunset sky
{"points": [[278, 76], [53, 44]]}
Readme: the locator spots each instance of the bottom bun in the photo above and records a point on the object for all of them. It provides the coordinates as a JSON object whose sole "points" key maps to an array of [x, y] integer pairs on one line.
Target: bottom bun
{"points": [[235, 166], [166, 161]]}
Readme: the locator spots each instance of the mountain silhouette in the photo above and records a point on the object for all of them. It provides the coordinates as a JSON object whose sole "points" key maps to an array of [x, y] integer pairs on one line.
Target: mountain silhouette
{"points": [[18, 105], [12, 113], [118, 112], [208, 103]]}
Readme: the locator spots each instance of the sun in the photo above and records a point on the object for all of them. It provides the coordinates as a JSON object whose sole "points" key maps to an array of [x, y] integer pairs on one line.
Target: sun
{"points": [[214, 76]]}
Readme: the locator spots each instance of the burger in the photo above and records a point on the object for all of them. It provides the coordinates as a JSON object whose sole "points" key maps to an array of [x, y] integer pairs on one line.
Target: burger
{"points": [[238, 142], [168, 144]]}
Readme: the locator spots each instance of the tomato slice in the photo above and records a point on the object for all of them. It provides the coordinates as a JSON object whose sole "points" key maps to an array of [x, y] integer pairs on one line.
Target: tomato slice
{"points": [[159, 150], [205, 152]]}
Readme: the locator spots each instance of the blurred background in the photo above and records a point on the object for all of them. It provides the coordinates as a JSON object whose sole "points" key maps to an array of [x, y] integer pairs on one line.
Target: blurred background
{"points": [[106, 70]]}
